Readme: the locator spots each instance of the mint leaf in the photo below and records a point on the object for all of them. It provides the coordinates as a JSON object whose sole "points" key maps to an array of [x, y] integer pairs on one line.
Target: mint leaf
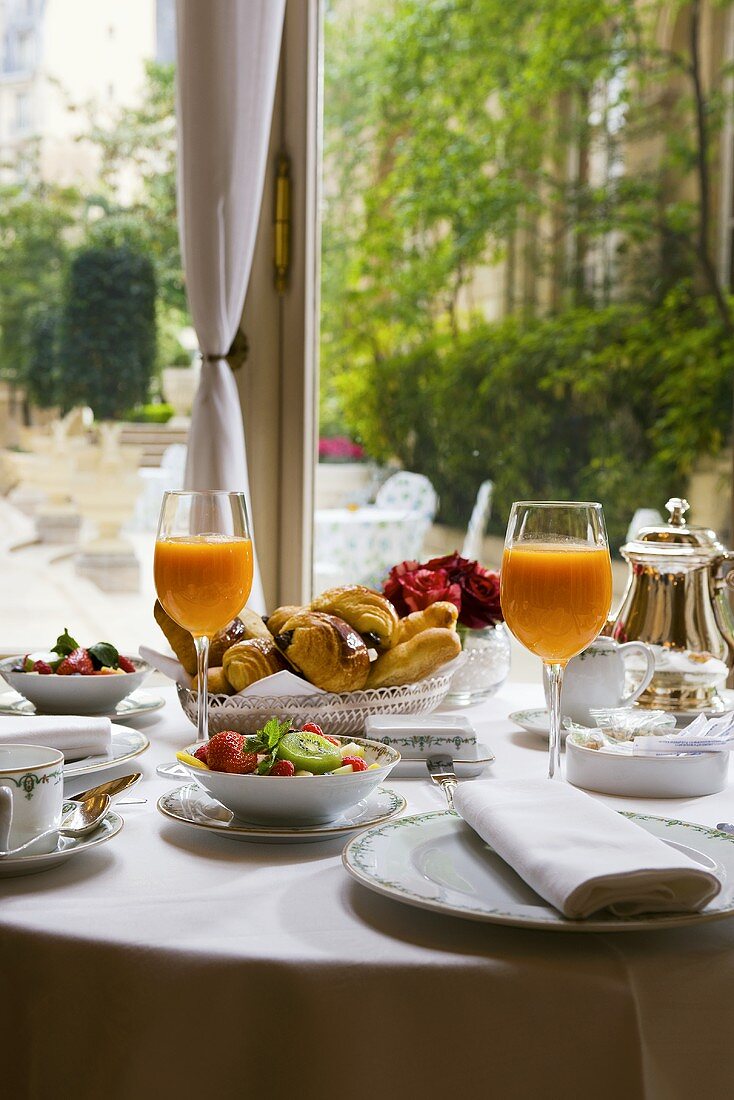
{"points": [[104, 654], [65, 644], [273, 730], [266, 763]]}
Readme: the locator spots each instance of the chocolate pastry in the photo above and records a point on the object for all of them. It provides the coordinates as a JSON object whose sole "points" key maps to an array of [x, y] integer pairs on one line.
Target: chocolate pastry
{"points": [[369, 612], [326, 650]]}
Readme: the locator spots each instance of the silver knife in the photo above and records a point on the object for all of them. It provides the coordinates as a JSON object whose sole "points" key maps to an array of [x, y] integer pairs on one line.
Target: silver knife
{"points": [[441, 770]]}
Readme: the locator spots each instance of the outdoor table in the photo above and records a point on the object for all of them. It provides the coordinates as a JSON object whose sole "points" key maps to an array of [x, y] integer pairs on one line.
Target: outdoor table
{"points": [[364, 543], [172, 963]]}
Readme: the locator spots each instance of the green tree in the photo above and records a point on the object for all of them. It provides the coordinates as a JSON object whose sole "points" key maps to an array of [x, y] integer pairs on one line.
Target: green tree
{"points": [[108, 330]]}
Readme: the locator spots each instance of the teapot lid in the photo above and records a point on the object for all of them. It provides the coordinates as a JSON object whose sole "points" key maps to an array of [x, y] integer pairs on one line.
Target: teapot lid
{"points": [[675, 539]]}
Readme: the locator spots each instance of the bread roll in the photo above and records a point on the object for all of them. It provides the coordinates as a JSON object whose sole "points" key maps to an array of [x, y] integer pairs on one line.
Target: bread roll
{"points": [[254, 625], [328, 652], [218, 684], [415, 659], [252, 660], [442, 614], [370, 613]]}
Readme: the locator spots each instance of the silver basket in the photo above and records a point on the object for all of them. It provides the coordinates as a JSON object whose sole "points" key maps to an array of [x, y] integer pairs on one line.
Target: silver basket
{"points": [[337, 714]]}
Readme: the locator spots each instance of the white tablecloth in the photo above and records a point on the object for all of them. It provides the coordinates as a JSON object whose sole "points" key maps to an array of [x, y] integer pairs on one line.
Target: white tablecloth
{"points": [[170, 963], [362, 545]]}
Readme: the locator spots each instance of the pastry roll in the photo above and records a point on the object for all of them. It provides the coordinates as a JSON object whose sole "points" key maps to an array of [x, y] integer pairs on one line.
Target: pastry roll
{"points": [[252, 660], [415, 659], [182, 643], [442, 614], [217, 682], [325, 650], [277, 620], [254, 625], [370, 613]]}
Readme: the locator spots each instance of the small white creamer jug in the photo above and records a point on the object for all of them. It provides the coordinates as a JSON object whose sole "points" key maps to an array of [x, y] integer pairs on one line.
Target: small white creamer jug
{"points": [[596, 678]]}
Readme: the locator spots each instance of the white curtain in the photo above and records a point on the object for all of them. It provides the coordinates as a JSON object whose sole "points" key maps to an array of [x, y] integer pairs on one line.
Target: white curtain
{"points": [[227, 66]]}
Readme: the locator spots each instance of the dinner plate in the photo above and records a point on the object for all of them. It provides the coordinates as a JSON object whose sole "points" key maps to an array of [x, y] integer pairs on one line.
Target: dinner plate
{"points": [[435, 861], [12, 866], [126, 743], [192, 806], [132, 706]]}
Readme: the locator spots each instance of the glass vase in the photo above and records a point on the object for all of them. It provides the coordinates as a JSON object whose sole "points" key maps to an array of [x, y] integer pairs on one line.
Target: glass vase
{"points": [[485, 665]]}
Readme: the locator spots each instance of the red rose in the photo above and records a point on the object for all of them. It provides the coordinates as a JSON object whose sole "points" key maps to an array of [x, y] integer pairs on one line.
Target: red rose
{"points": [[480, 600], [456, 566], [427, 586], [393, 586]]}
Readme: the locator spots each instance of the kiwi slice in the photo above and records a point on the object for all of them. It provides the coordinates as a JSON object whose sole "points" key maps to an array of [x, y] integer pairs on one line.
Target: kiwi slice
{"points": [[309, 751]]}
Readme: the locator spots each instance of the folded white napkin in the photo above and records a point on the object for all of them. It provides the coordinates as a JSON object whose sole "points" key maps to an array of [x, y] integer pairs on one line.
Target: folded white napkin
{"points": [[76, 737], [578, 854]]}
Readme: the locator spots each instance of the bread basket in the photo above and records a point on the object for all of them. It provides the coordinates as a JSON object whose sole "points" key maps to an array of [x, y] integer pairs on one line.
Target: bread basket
{"points": [[338, 714]]}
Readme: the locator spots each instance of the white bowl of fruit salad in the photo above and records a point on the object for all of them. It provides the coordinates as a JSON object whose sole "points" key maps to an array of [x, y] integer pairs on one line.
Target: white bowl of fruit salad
{"points": [[74, 679], [325, 775]]}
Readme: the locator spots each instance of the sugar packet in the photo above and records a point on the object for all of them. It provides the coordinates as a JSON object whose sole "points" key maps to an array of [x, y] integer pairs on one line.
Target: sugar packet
{"points": [[702, 735]]}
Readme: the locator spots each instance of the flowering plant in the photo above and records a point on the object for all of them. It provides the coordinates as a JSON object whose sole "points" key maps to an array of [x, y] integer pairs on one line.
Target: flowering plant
{"points": [[340, 448], [474, 590]]}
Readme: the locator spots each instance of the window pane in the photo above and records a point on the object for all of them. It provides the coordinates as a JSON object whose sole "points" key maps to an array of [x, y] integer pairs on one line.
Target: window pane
{"points": [[519, 277], [97, 353]]}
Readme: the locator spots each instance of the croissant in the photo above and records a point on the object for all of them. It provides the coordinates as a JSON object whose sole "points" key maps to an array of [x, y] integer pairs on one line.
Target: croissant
{"points": [[367, 611], [217, 682], [325, 650], [252, 660], [415, 659], [277, 620], [442, 614], [182, 643]]}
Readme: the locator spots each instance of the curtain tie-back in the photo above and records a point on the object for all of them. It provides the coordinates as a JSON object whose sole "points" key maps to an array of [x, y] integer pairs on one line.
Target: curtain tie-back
{"points": [[214, 358]]}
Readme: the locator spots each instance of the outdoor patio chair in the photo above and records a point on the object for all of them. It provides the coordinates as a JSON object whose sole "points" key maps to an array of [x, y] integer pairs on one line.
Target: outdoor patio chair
{"points": [[477, 527], [409, 492]]}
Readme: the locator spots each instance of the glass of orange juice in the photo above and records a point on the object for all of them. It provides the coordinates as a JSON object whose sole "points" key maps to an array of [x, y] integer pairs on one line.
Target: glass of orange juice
{"points": [[203, 570], [556, 588]]}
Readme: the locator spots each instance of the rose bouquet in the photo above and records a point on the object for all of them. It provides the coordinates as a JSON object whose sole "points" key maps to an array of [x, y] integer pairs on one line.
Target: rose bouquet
{"points": [[474, 590]]}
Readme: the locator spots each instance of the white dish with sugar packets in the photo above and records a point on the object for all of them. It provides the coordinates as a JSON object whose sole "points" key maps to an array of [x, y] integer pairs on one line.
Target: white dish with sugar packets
{"points": [[615, 770]]}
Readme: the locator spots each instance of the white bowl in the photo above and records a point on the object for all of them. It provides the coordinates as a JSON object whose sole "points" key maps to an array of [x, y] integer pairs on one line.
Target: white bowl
{"points": [[54, 694], [645, 776], [297, 800]]}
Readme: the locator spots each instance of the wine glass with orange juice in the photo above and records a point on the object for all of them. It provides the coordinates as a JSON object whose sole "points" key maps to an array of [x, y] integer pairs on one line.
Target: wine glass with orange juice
{"points": [[203, 571], [556, 589]]}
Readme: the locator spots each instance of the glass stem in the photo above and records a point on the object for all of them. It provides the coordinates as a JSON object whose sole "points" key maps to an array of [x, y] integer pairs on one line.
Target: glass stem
{"points": [[555, 683], [202, 710]]}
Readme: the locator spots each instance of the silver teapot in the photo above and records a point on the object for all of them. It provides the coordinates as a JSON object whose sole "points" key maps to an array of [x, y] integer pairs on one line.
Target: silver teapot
{"points": [[677, 598]]}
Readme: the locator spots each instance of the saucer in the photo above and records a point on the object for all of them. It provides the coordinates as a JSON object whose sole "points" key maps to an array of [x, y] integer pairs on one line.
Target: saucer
{"points": [[533, 721], [66, 847], [192, 806], [132, 706], [126, 743]]}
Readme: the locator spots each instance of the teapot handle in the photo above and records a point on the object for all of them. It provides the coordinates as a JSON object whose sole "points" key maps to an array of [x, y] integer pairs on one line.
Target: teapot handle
{"points": [[647, 653]]}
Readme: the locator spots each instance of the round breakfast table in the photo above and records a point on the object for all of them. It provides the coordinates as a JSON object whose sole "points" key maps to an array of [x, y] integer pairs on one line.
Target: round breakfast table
{"points": [[173, 963]]}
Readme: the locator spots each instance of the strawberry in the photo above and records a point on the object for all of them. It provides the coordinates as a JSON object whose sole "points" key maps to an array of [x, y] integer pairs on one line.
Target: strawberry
{"points": [[312, 727], [125, 664], [283, 767], [202, 753], [78, 663], [225, 752], [334, 740], [358, 764], [43, 668]]}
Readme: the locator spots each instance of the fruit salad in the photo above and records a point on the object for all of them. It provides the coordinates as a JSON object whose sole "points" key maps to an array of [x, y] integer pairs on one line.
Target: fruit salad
{"points": [[279, 749], [68, 658]]}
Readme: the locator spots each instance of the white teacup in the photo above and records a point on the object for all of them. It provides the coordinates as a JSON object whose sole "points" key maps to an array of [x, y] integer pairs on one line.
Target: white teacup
{"points": [[596, 678], [34, 777]]}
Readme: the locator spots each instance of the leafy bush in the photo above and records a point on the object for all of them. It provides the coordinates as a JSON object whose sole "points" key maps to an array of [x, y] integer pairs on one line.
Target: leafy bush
{"points": [[107, 341], [613, 405], [160, 413]]}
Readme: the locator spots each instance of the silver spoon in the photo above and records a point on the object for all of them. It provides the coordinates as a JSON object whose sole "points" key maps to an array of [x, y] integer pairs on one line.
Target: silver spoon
{"points": [[80, 819]]}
